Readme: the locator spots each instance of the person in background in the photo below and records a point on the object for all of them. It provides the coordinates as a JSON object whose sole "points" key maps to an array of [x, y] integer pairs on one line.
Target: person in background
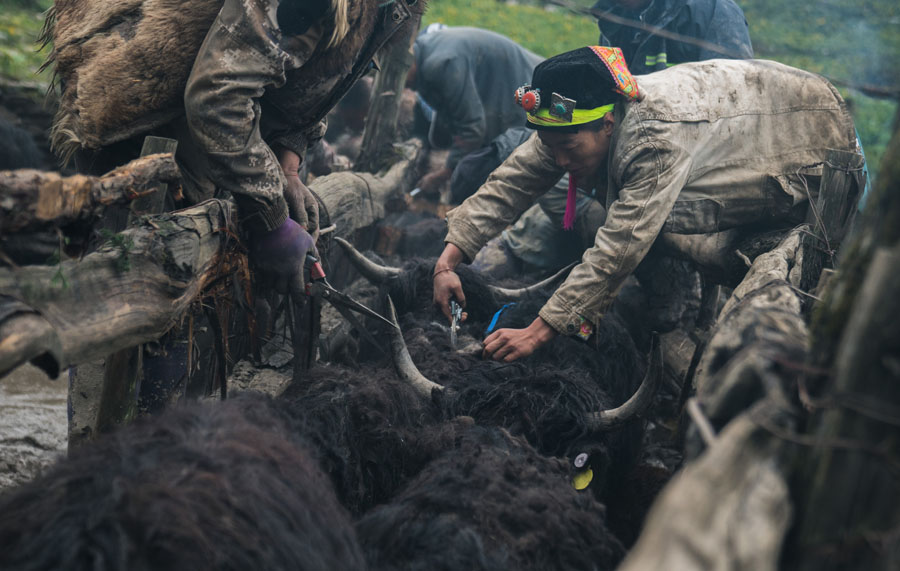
{"points": [[465, 76], [718, 26]]}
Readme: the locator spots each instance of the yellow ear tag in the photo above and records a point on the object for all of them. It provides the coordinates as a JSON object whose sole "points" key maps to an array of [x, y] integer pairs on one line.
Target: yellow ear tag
{"points": [[582, 479]]}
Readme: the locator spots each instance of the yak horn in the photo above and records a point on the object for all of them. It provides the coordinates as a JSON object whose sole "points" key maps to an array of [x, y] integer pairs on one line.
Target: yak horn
{"points": [[403, 363], [639, 401], [370, 270], [523, 292]]}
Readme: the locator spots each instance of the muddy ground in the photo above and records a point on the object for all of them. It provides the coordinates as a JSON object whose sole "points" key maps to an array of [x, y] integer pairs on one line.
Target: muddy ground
{"points": [[32, 424]]}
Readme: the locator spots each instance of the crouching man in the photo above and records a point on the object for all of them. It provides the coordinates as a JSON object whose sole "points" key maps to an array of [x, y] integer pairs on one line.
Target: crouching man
{"points": [[696, 156]]}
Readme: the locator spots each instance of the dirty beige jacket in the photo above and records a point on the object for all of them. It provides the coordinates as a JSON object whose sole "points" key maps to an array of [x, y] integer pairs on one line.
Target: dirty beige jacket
{"points": [[709, 146]]}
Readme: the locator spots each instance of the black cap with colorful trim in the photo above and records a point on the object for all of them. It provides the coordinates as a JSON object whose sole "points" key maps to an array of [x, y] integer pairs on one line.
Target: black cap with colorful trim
{"points": [[575, 88]]}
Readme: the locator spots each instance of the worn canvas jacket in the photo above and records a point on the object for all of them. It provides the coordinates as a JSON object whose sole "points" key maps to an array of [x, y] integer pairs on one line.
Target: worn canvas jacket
{"points": [[708, 146], [254, 85]]}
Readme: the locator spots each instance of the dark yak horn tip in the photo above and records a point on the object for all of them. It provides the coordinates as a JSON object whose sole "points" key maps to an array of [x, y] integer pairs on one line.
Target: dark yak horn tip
{"points": [[370, 270], [403, 363], [640, 401], [524, 292]]}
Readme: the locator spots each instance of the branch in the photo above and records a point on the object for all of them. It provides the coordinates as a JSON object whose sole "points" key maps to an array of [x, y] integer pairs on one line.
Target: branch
{"points": [[31, 199]]}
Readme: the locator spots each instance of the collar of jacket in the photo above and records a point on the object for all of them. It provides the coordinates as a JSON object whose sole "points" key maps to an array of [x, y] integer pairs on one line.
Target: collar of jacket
{"points": [[392, 16]]}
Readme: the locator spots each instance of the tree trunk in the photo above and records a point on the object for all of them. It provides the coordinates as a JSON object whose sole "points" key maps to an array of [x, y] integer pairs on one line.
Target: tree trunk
{"points": [[381, 121]]}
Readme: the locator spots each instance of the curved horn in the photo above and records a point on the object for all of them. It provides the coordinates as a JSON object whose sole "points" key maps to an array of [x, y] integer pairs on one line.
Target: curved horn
{"points": [[403, 363], [370, 270], [523, 292], [639, 401]]}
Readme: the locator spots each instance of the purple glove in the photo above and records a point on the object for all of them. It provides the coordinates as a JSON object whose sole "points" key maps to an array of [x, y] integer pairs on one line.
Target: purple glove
{"points": [[281, 253]]}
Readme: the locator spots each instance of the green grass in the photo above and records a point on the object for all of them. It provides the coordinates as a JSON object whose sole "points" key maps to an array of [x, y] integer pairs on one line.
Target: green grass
{"points": [[20, 26], [545, 32]]}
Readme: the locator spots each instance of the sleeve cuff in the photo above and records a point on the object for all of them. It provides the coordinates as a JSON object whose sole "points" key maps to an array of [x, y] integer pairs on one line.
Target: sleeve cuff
{"points": [[565, 320], [464, 236], [257, 217], [294, 142]]}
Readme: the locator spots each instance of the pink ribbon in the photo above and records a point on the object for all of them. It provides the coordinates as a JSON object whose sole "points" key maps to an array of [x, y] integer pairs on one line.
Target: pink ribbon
{"points": [[569, 217]]}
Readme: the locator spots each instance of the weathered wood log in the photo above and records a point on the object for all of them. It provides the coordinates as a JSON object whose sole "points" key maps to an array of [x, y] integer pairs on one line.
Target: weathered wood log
{"points": [[833, 213], [131, 290], [729, 509], [764, 306], [123, 370], [31, 199], [140, 283], [381, 121], [849, 490], [357, 200]]}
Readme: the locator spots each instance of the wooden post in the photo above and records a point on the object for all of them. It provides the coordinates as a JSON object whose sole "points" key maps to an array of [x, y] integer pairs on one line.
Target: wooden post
{"points": [[832, 214], [381, 122], [847, 487], [123, 370]]}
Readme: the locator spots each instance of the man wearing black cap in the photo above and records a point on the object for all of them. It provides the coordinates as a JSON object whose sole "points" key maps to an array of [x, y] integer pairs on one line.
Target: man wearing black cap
{"points": [[694, 155]]}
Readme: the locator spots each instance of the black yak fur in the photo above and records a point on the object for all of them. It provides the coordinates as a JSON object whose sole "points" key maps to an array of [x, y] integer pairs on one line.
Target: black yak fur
{"points": [[490, 502], [363, 425], [219, 486], [545, 397]]}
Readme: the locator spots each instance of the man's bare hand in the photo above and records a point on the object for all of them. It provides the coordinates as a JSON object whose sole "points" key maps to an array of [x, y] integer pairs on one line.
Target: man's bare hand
{"points": [[303, 207], [448, 287], [446, 284], [511, 344]]}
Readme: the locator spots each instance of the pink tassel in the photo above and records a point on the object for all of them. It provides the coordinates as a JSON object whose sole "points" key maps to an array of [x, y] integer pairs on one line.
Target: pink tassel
{"points": [[569, 218]]}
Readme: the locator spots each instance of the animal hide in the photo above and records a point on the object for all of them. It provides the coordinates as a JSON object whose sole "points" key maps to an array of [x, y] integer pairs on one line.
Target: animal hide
{"points": [[122, 66]]}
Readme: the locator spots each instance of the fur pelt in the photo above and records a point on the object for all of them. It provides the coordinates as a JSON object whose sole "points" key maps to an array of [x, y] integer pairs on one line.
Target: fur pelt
{"points": [[218, 486], [490, 502], [122, 66]]}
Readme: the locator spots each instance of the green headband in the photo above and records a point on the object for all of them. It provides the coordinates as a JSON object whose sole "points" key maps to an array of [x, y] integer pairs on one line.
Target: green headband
{"points": [[579, 116]]}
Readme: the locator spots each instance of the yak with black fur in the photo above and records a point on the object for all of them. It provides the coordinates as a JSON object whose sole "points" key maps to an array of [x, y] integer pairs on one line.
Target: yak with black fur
{"points": [[490, 502], [223, 486], [363, 426], [553, 397]]}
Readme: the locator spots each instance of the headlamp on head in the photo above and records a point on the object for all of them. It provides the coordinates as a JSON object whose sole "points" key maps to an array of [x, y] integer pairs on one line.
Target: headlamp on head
{"points": [[529, 99]]}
